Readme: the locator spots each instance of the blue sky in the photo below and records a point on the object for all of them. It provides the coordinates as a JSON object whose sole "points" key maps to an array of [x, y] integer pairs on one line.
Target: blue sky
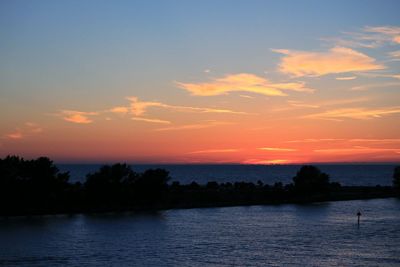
{"points": [[89, 56]]}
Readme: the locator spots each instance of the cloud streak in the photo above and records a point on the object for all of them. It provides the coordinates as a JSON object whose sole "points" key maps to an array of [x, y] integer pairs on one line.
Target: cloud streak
{"points": [[29, 128], [383, 33], [79, 117], [354, 113], [356, 150], [195, 126], [151, 120], [242, 82], [346, 78], [277, 149], [336, 60], [212, 151], [373, 86], [368, 37], [267, 161], [138, 108]]}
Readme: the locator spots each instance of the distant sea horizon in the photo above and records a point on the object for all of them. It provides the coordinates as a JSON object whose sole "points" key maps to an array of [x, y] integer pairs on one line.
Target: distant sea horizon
{"points": [[351, 174]]}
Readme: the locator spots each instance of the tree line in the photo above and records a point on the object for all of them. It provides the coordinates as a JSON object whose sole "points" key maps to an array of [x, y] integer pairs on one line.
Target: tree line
{"points": [[38, 187]]}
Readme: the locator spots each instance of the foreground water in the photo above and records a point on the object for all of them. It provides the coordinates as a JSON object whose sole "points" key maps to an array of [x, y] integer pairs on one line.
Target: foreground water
{"points": [[346, 174], [323, 234]]}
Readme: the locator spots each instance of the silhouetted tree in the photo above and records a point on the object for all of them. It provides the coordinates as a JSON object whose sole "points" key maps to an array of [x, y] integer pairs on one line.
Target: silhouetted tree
{"points": [[309, 179], [212, 185], [32, 184], [396, 178], [111, 184], [151, 186]]}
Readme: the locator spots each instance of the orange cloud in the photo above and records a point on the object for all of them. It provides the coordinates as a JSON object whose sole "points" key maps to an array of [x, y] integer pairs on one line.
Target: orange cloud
{"points": [[377, 141], [268, 161], [337, 60], [395, 55], [138, 108], [208, 151], [356, 150], [346, 78], [242, 82], [378, 85], [33, 127], [384, 140], [278, 149], [120, 110], [368, 37], [314, 140], [15, 135], [354, 113], [151, 120], [195, 126], [385, 33], [79, 117], [29, 128], [294, 104]]}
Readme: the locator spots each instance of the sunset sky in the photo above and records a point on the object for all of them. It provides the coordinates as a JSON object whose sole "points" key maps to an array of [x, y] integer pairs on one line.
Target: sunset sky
{"points": [[256, 82]]}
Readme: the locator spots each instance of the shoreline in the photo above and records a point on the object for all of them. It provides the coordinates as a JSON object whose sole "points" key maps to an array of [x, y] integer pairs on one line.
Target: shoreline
{"points": [[348, 193], [29, 187]]}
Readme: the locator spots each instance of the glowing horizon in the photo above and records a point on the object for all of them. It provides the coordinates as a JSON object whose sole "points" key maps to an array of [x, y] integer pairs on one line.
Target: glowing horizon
{"points": [[205, 82]]}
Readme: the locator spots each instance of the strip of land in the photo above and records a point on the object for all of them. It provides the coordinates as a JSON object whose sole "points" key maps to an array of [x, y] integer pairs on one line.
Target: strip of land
{"points": [[34, 187]]}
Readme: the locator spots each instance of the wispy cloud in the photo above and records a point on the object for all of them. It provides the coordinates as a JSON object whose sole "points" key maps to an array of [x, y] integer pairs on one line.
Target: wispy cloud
{"points": [[246, 96], [80, 117], [395, 55], [211, 151], [138, 108], [368, 37], [300, 104], [314, 140], [346, 101], [277, 149], [384, 33], [373, 86], [336, 60], [242, 82], [267, 161], [375, 141], [346, 78], [120, 110], [28, 129], [295, 104], [151, 120], [195, 126], [356, 150], [354, 113], [17, 134]]}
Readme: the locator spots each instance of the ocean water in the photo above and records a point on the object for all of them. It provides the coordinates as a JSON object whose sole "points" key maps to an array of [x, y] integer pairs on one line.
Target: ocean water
{"points": [[361, 174], [320, 234]]}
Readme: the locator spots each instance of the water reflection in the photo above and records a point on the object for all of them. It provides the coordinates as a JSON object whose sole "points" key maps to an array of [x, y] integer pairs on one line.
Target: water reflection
{"points": [[322, 234]]}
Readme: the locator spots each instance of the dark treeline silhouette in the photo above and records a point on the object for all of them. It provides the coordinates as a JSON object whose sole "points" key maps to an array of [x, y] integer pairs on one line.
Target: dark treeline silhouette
{"points": [[37, 187], [396, 179]]}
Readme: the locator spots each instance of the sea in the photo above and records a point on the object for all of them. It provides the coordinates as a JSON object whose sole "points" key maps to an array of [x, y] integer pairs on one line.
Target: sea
{"points": [[346, 174], [317, 234]]}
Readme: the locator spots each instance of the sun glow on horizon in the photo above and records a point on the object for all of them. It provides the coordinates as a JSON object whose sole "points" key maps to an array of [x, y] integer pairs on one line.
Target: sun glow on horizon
{"points": [[180, 84]]}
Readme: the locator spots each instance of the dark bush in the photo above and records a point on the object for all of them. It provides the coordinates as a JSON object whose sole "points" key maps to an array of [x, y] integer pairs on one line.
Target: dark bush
{"points": [[396, 178], [309, 179]]}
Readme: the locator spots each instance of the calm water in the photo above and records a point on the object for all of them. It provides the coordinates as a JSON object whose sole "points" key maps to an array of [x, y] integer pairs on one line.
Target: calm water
{"points": [[323, 234], [345, 174]]}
